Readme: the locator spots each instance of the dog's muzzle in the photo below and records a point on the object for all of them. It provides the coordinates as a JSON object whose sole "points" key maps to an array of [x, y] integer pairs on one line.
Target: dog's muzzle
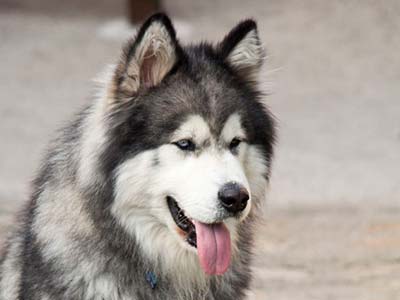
{"points": [[212, 240]]}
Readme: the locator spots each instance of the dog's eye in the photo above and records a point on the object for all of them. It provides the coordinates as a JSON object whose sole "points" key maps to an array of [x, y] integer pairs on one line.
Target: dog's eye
{"points": [[234, 144], [185, 145]]}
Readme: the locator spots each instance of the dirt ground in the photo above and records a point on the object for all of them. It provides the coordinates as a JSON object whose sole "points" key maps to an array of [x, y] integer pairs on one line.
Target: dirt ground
{"points": [[332, 221], [329, 253]]}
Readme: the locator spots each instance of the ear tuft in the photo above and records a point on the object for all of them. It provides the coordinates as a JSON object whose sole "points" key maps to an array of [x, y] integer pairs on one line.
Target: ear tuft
{"points": [[149, 57], [242, 49]]}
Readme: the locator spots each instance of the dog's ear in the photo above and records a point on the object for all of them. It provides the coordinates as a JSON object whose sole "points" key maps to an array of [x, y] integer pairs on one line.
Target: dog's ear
{"points": [[148, 58], [242, 49]]}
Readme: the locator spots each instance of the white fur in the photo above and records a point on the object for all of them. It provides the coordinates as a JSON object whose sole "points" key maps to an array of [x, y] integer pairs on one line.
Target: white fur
{"points": [[93, 131], [233, 129], [194, 180], [194, 128], [255, 168]]}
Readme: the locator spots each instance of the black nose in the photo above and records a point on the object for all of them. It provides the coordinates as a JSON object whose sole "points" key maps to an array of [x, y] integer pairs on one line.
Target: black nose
{"points": [[233, 197]]}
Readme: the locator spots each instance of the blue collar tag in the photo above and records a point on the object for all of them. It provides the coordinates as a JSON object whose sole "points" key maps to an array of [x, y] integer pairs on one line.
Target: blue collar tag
{"points": [[151, 279]]}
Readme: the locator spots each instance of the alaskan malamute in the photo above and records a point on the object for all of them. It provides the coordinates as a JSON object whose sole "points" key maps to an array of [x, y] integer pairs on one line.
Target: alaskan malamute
{"points": [[153, 190]]}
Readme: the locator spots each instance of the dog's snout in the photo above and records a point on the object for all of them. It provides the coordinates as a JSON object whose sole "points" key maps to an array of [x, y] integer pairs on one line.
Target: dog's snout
{"points": [[233, 197]]}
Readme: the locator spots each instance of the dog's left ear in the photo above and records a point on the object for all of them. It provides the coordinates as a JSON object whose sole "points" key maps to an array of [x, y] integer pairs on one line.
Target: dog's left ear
{"points": [[242, 49], [148, 58]]}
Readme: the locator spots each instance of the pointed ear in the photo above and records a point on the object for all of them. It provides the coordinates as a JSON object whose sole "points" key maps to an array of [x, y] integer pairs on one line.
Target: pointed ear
{"points": [[242, 49], [148, 58]]}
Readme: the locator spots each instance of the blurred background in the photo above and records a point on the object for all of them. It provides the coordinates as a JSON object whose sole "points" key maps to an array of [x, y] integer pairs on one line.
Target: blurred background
{"points": [[332, 219]]}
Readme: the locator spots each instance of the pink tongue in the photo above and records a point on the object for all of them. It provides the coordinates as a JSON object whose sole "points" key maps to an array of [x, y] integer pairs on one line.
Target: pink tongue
{"points": [[213, 247]]}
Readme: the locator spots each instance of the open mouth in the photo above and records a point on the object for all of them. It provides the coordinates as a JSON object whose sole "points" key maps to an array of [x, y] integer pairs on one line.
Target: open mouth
{"points": [[182, 221], [212, 241]]}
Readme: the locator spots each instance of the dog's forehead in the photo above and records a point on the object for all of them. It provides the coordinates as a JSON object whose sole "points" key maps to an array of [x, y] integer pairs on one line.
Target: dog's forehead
{"points": [[203, 88], [210, 92], [199, 128]]}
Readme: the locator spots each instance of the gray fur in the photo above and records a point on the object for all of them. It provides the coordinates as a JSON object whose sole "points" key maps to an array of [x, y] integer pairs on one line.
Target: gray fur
{"points": [[68, 244]]}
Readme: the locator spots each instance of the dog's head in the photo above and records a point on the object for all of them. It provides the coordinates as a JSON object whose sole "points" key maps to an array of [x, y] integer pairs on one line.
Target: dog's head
{"points": [[187, 140]]}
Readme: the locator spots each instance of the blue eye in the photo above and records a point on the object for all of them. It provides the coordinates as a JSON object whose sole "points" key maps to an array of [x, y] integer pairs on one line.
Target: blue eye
{"points": [[185, 145]]}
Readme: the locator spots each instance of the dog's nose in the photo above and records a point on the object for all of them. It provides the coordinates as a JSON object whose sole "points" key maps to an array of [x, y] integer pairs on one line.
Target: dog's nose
{"points": [[233, 197]]}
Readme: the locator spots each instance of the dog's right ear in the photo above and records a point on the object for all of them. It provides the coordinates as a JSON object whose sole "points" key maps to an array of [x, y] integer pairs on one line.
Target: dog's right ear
{"points": [[148, 58]]}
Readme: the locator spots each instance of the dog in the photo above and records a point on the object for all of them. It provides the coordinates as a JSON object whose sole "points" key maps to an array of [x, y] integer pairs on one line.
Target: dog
{"points": [[154, 189]]}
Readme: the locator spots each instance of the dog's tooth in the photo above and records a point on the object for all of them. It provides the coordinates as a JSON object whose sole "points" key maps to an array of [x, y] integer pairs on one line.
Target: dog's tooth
{"points": [[192, 239], [184, 225]]}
